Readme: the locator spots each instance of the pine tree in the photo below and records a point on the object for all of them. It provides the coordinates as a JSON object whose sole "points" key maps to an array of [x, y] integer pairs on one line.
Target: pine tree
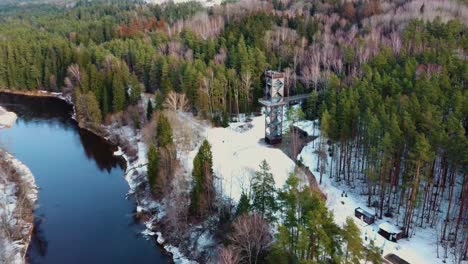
{"points": [[373, 254], [153, 167], [164, 132], [149, 111], [354, 248], [203, 193], [87, 109], [263, 192], [244, 205], [118, 93]]}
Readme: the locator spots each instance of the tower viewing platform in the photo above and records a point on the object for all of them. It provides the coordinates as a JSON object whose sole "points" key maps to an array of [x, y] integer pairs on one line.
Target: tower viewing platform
{"points": [[274, 101]]}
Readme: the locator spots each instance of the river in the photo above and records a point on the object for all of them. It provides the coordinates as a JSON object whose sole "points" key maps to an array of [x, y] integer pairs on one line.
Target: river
{"points": [[82, 215]]}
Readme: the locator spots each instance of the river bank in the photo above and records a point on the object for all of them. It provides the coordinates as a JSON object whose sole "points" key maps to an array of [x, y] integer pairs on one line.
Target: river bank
{"points": [[130, 148], [18, 194], [7, 119]]}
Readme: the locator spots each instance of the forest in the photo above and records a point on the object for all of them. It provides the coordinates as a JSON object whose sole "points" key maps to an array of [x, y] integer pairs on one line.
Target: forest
{"points": [[387, 82]]}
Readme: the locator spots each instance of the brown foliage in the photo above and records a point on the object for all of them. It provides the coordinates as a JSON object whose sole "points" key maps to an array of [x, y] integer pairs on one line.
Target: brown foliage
{"points": [[140, 25], [348, 11], [369, 9]]}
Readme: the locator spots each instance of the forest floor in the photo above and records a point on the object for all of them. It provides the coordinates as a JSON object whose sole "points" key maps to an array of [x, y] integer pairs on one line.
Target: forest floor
{"points": [[18, 193], [420, 248]]}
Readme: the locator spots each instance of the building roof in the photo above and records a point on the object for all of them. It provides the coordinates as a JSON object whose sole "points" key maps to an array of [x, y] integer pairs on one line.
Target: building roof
{"points": [[394, 259], [389, 228], [364, 212], [274, 74]]}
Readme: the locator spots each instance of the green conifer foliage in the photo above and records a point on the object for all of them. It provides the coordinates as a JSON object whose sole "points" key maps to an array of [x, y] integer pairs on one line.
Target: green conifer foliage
{"points": [[153, 167], [149, 110], [202, 195], [264, 192], [164, 131], [244, 204]]}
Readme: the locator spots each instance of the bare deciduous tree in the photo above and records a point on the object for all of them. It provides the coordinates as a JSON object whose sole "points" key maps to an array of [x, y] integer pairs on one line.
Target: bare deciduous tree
{"points": [[228, 255], [251, 237], [246, 78], [176, 102]]}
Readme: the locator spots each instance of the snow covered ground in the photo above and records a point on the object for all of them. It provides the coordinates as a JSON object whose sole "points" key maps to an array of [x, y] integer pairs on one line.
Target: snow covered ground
{"points": [[420, 248], [237, 153], [7, 119]]}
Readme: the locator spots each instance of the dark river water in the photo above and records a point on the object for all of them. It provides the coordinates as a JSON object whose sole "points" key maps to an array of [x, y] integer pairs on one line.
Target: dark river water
{"points": [[82, 215]]}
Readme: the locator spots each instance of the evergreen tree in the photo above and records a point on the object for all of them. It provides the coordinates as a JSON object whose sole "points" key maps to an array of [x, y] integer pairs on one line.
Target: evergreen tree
{"points": [[153, 167], [373, 254], [118, 93], [352, 237], [308, 232], [164, 132], [149, 111], [203, 193], [264, 192], [87, 110], [244, 204]]}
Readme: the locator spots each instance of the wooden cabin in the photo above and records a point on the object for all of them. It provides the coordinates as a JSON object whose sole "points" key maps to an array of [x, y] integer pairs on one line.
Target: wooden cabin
{"points": [[390, 232], [365, 216], [394, 259]]}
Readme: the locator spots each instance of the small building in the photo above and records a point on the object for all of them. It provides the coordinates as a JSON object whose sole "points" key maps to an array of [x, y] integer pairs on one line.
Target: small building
{"points": [[365, 216], [394, 259], [390, 232]]}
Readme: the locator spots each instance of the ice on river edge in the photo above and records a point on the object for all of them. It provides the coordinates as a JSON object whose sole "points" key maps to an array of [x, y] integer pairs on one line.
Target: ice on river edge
{"points": [[7, 119], [14, 251]]}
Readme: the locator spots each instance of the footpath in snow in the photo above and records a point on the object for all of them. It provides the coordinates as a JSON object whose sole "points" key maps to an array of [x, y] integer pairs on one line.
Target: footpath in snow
{"points": [[420, 248]]}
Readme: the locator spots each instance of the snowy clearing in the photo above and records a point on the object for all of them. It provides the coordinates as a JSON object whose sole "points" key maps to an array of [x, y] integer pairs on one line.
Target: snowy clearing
{"points": [[237, 154]]}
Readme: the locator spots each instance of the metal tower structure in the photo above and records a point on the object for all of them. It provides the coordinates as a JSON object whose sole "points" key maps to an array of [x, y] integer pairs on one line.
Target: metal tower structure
{"points": [[273, 101]]}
